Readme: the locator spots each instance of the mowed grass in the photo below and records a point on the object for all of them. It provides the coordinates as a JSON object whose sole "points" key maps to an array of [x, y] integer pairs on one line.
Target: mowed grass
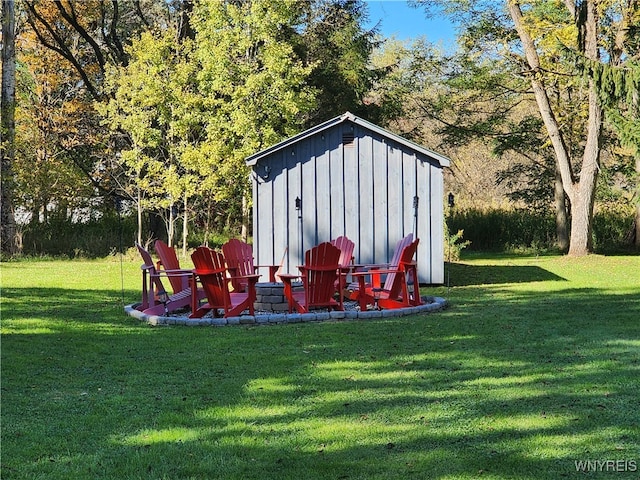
{"points": [[535, 366]]}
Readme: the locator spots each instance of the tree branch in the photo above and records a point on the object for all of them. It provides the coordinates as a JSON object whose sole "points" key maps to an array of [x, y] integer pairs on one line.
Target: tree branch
{"points": [[59, 46], [542, 99], [72, 19]]}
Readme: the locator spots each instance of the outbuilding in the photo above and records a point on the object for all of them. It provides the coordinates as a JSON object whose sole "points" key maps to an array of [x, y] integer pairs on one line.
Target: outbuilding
{"points": [[348, 177]]}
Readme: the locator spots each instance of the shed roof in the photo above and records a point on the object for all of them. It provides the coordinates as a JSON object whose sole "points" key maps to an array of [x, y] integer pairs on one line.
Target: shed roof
{"points": [[442, 160]]}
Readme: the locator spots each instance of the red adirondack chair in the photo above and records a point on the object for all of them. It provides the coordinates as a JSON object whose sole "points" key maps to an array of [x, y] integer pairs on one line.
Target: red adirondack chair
{"points": [[239, 258], [376, 269], [319, 275], [169, 263], [345, 262], [155, 298], [346, 247], [395, 292], [180, 278], [211, 272]]}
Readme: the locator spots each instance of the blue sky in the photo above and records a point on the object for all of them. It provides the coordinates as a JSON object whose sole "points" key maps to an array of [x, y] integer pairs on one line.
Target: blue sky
{"points": [[399, 19]]}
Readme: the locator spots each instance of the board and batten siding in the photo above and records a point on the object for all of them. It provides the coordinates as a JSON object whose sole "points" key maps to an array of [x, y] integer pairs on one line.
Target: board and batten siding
{"points": [[351, 181]]}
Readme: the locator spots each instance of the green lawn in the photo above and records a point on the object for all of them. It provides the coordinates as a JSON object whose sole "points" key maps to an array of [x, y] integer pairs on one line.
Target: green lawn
{"points": [[534, 366]]}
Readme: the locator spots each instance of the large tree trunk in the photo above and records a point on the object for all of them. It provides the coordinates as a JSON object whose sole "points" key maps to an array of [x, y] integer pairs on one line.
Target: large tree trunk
{"points": [[637, 221], [8, 237], [584, 196], [581, 192], [562, 221], [582, 208]]}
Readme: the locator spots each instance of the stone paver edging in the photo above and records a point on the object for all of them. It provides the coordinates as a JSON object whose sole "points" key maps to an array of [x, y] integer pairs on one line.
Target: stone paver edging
{"points": [[435, 304]]}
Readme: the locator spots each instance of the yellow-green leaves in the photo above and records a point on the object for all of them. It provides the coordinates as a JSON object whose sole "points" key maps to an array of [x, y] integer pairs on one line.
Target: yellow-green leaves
{"points": [[198, 108]]}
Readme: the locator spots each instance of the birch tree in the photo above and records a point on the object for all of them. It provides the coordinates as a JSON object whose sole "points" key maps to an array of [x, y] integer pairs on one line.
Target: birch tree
{"points": [[8, 238]]}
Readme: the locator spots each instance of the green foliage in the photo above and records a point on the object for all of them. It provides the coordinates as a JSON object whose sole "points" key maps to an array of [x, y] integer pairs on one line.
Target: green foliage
{"points": [[501, 230], [91, 239], [253, 84], [520, 230], [530, 183], [618, 87], [153, 105], [613, 227], [334, 41], [193, 110], [454, 244]]}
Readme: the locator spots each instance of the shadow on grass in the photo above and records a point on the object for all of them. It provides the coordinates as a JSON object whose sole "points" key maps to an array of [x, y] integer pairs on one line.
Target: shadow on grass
{"points": [[482, 390], [66, 307], [462, 274]]}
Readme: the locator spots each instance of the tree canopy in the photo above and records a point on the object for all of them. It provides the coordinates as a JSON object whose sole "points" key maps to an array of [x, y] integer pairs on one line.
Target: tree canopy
{"points": [[158, 103], [546, 43]]}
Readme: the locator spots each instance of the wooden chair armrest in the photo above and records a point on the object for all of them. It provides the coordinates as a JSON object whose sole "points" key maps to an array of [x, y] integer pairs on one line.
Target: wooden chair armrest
{"points": [[371, 266], [320, 268], [253, 279], [273, 269], [249, 277], [287, 277], [182, 272]]}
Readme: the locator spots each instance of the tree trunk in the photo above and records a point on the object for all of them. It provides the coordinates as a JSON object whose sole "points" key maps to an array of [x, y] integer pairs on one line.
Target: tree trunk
{"points": [[245, 219], [171, 224], [582, 206], [185, 226], [581, 215], [8, 237], [139, 211], [582, 203], [581, 192], [637, 222], [562, 222]]}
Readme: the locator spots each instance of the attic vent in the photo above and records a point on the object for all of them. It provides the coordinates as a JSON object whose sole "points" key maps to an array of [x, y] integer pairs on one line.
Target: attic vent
{"points": [[347, 139]]}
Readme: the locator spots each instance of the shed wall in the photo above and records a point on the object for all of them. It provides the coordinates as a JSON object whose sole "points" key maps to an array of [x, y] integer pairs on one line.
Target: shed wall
{"points": [[363, 189]]}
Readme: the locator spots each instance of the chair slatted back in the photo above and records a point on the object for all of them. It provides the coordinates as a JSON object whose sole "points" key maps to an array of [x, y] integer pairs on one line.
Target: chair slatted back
{"points": [[346, 247], [405, 259], [395, 261], [155, 287], [320, 272], [239, 258], [211, 270], [169, 261]]}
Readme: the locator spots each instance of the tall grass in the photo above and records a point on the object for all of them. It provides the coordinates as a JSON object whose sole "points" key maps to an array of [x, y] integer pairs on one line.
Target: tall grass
{"points": [[484, 229], [516, 230], [532, 368], [92, 239]]}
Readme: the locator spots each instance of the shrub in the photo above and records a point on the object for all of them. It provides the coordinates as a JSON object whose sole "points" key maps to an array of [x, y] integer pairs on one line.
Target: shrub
{"points": [[454, 244]]}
